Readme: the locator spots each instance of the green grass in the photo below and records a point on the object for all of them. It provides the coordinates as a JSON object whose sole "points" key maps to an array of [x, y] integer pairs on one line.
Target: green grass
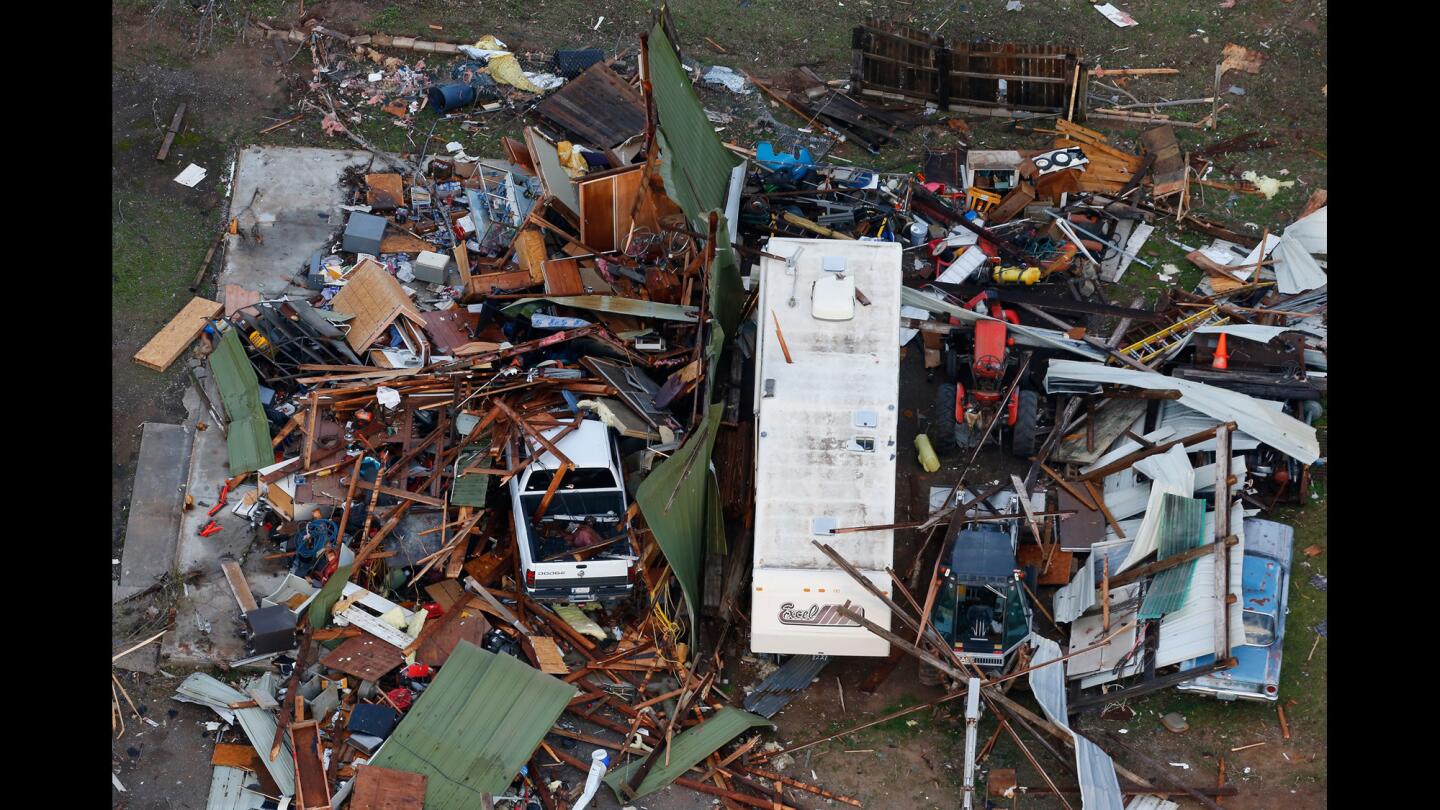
{"points": [[155, 246]]}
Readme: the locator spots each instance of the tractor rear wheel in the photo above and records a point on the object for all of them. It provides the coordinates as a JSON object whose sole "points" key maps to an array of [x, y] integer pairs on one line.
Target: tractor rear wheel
{"points": [[942, 434], [1023, 435]]}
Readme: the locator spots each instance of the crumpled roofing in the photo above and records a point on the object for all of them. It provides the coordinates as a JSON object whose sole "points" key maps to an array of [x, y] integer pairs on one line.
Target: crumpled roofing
{"points": [[1099, 786], [687, 749], [1281, 431], [477, 724]]}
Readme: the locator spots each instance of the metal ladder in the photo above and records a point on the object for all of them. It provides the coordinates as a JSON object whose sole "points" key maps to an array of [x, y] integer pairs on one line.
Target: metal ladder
{"points": [[1171, 337]]}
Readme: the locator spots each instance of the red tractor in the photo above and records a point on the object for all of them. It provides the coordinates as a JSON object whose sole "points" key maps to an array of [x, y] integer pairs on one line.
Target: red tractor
{"points": [[982, 376]]}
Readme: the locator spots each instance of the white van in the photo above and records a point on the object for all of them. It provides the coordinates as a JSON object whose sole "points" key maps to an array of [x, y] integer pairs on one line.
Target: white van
{"points": [[591, 494]]}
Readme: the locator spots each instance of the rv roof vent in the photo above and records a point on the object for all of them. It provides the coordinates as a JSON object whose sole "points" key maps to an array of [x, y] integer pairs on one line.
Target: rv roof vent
{"points": [[832, 298]]}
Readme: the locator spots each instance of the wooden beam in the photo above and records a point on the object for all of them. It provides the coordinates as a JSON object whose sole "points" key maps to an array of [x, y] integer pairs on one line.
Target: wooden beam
{"points": [[171, 133], [1170, 562], [1104, 510], [1070, 488], [1222, 550]]}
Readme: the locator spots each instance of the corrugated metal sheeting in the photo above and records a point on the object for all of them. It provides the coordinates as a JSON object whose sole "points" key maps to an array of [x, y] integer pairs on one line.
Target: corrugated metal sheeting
{"points": [[1190, 631], [258, 724], [686, 750], [784, 684], [1284, 433], [227, 791], [1099, 787], [476, 725], [1171, 474], [1148, 802], [1024, 335], [1181, 520], [697, 173]]}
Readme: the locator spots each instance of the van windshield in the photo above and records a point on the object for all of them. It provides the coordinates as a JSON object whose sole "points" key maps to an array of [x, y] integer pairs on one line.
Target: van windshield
{"points": [[579, 478]]}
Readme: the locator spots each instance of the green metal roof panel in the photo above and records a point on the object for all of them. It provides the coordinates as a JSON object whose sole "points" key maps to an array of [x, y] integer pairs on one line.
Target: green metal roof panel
{"points": [[1182, 527], [687, 750], [248, 440], [673, 497], [470, 490], [695, 165], [477, 724]]}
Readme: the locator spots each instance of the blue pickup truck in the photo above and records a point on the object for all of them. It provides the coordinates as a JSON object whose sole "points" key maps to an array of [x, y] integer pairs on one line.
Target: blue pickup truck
{"points": [[1266, 587]]}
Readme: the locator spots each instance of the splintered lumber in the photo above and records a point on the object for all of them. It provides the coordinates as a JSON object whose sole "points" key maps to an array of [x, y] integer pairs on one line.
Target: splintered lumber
{"points": [[178, 334], [797, 784], [171, 133]]}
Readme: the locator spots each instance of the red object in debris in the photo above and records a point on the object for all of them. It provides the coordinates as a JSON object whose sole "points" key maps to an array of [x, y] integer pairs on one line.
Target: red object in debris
{"points": [[419, 671], [433, 610], [224, 490], [1222, 354], [211, 528], [401, 697]]}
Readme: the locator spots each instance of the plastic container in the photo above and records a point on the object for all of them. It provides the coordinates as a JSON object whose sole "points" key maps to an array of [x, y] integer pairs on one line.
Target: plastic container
{"points": [[928, 460], [919, 230], [447, 97]]}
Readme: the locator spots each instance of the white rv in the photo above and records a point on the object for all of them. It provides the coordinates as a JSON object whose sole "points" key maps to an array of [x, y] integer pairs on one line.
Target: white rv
{"points": [[826, 442]]}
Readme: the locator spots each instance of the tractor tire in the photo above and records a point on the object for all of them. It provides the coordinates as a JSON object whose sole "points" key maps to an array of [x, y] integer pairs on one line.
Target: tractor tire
{"points": [[1024, 434], [943, 427]]}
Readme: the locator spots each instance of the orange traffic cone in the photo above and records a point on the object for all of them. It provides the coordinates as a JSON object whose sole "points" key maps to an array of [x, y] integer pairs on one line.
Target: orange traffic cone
{"points": [[1222, 356]]}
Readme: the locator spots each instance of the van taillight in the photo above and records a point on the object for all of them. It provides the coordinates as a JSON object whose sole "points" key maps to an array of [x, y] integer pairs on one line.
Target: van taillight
{"points": [[630, 574], [530, 578]]}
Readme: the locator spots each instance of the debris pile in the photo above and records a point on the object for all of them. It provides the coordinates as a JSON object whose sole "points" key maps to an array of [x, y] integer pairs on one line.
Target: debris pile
{"points": [[496, 444]]}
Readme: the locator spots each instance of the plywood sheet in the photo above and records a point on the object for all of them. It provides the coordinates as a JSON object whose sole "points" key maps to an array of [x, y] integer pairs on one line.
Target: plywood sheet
{"points": [[404, 243], [470, 625], [375, 299], [379, 788], [1169, 171], [1029, 554], [1078, 531], [445, 593], [450, 329], [552, 661], [364, 656], [606, 206], [530, 253], [386, 191], [178, 334], [562, 277], [236, 755], [245, 757]]}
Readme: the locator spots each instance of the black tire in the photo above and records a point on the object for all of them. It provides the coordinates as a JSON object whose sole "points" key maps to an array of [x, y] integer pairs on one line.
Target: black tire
{"points": [[943, 427], [1023, 435]]}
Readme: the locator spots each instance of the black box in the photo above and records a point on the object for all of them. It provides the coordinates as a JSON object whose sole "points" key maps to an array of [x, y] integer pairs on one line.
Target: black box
{"points": [[272, 629]]}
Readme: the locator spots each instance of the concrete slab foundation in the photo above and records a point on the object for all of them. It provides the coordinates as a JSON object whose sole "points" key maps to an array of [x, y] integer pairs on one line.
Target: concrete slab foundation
{"points": [[155, 507]]}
